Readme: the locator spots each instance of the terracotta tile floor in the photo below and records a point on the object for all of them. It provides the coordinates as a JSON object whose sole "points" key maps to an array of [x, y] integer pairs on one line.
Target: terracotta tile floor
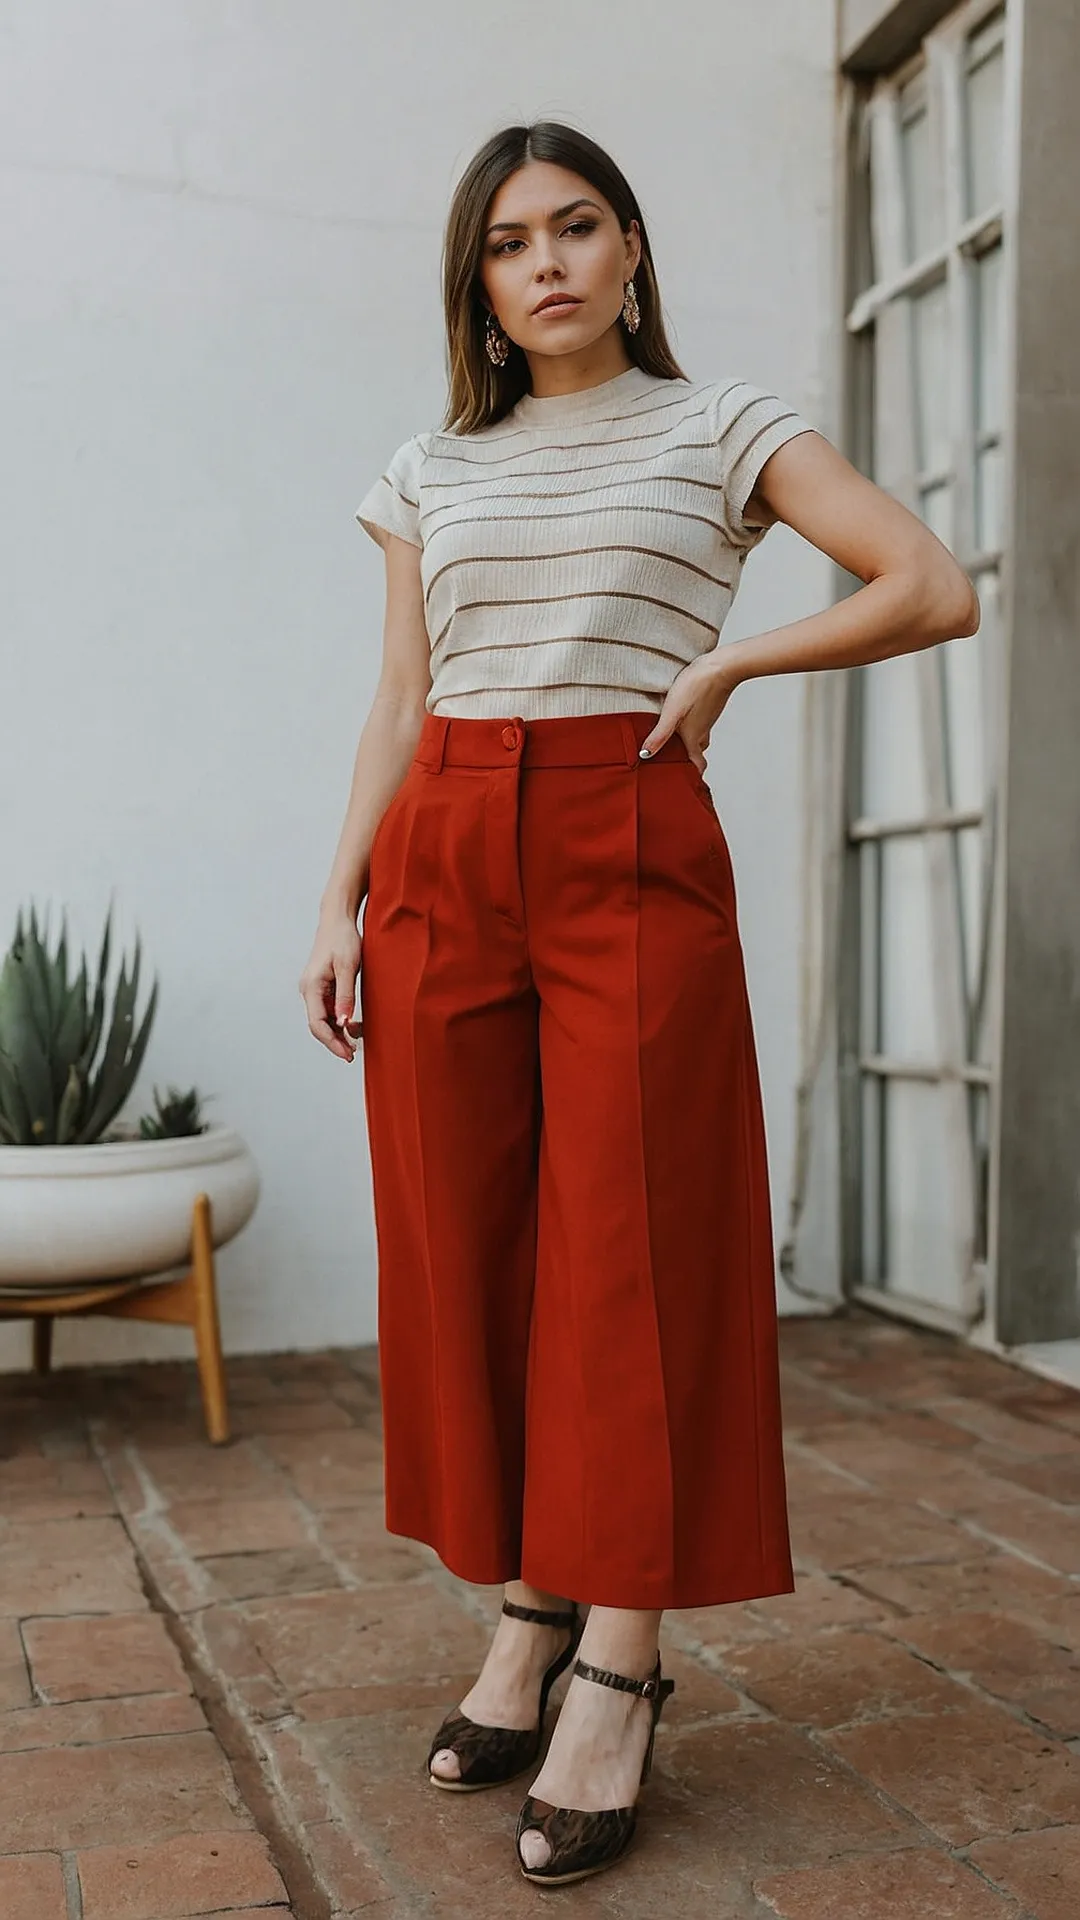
{"points": [[218, 1674]]}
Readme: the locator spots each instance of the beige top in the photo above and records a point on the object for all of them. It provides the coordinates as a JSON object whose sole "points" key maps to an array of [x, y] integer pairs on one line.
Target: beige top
{"points": [[580, 552]]}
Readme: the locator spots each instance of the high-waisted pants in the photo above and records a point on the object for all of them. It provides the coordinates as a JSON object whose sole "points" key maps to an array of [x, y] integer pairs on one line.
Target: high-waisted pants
{"points": [[576, 1292]]}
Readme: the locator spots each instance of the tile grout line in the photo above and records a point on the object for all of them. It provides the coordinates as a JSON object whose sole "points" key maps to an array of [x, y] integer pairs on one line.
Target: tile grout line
{"points": [[310, 1520], [306, 1899], [69, 1867], [31, 1683], [253, 1764]]}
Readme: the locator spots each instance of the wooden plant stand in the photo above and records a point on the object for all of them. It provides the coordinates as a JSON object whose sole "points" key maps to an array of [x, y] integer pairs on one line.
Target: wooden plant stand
{"points": [[188, 1300]]}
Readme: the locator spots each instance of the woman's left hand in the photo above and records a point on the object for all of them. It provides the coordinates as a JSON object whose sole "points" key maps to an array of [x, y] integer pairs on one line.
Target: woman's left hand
{"points": [[694, 702]]}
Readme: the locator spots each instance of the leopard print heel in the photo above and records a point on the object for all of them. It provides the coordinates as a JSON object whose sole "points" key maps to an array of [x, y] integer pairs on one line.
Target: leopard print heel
{"points": [[585, 1843], [488, 1756]]}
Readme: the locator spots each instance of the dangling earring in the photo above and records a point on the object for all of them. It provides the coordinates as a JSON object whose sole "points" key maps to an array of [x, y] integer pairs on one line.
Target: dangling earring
{"points": [[496, 342], [631, 312]]}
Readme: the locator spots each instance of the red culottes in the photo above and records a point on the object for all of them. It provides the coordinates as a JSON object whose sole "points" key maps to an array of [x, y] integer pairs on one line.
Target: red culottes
{"points": [[577, 1307]]}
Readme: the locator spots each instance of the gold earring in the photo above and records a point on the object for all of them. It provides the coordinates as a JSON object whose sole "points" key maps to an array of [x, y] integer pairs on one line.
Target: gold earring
{"points": [[496, 342], [631, 312]]}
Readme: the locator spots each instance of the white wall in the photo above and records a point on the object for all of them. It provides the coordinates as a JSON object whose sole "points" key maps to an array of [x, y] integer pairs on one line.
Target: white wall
{"points": [[220, 315]]}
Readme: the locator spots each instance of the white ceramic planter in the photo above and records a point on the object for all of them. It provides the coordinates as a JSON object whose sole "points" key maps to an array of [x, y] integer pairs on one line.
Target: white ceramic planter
{"points": [[121, 1209]]}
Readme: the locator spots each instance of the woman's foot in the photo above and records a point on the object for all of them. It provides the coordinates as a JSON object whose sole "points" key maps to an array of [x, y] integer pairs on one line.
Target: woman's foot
{"points": [[506, 1692], [598, 1747]]}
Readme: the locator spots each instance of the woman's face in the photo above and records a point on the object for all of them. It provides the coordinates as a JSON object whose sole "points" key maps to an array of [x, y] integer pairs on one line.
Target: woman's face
{"points": [[550, 232]]}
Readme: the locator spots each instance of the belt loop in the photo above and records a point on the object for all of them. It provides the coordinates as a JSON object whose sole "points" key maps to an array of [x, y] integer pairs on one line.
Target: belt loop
{"points": [[630, 745], [442, 721]]}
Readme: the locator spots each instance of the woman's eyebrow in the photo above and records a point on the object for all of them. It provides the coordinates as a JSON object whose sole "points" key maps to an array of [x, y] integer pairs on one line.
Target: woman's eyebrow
{"points": [[560, 213]]}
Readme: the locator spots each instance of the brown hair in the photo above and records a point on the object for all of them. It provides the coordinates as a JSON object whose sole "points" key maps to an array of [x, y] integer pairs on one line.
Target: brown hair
{"points": [[480, 393]]}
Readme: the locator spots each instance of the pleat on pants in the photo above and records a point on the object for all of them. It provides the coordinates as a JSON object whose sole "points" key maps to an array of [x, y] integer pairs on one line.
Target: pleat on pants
{"points": [[577, 1309]]}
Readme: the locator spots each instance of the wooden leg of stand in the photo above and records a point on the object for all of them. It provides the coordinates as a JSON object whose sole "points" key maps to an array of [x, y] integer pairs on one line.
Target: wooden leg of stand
{"points": [[42, 1342], [207, 1329]]}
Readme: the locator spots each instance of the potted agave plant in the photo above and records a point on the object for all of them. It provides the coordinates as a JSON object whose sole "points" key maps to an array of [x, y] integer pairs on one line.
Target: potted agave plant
{"points": [[85, 1198]]}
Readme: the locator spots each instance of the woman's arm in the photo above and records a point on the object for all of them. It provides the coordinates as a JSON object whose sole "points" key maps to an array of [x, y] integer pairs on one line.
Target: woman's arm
{"points": [[386, 747], [915, 593], [390, 732]]}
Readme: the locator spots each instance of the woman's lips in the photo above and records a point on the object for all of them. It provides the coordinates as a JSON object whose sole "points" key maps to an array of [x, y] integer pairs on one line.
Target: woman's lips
{"points": [[560, 306]]}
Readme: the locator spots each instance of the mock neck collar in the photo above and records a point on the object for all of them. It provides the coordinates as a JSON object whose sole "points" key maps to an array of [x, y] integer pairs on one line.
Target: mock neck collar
{"points": [[607, 396]]}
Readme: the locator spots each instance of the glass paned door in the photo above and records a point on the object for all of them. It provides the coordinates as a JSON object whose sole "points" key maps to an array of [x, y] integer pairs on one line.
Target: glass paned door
{"points": [[922, 826]]}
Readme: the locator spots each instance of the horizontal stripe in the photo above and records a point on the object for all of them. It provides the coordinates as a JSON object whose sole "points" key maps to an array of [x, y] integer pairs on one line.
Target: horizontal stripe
{"points": [[560, 599], [758, 437], [568, 511], [519, 691], [571, 640], [489, 435], [572, 446], [590, 466], [551, 686], [397, 490], [574, 553], [626, 421]]}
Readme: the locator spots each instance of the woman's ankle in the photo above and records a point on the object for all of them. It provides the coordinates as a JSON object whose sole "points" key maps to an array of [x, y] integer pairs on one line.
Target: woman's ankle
{"points": [[622, 1639], [524, 1595]]}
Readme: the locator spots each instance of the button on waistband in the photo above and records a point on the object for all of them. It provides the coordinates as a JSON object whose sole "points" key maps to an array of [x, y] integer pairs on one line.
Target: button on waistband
{"points": [[511, 737]]}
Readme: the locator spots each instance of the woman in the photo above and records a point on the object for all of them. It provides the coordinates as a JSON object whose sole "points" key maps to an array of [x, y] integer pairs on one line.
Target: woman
{"points": [[577, 1319]]}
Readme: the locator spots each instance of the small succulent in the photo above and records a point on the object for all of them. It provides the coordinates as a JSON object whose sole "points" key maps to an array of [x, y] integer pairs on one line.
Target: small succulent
{"points": [[178, 1114], [56, 1087]]}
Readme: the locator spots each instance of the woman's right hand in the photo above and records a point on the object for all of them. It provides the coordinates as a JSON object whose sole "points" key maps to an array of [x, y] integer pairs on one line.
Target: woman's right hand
{"points": [[328, 985]]}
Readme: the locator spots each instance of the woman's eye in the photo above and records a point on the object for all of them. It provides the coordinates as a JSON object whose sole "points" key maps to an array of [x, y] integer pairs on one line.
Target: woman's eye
{"points": [[575, 226]]}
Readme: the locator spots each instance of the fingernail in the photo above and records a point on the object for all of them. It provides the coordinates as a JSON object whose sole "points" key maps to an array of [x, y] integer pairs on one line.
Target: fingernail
{"points": [[644, 754]]}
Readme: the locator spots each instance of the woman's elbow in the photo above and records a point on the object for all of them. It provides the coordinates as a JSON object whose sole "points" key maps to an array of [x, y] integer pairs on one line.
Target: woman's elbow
{"points": [[968, 615], [951, 606]]}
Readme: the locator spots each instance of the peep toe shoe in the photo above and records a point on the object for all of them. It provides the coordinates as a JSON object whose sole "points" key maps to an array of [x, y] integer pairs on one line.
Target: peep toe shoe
{"points": [[585, 1843], [488, 1756]]}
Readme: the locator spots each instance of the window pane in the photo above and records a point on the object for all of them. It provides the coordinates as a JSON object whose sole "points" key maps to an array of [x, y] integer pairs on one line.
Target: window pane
{"points": [[988, 653], [965, 733], [930, 341], [923, 211], [919, 1225], [869, 945], [936, 508], [893, 784], [969, 870], [940, 409], [908, 1021], [989, 499], [984, 132], [980, 1132], [985, 1039], [873, 1259], [989, 365], [988, 643], [864, 266]]}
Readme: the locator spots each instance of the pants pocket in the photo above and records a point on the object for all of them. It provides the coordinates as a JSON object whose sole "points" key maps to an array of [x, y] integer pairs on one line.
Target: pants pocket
{"points": [[702, 793]]}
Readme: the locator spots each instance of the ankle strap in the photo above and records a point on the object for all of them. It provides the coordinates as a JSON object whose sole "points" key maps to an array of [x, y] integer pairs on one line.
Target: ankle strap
{"points": [[541, 1617], [646, 1689]]}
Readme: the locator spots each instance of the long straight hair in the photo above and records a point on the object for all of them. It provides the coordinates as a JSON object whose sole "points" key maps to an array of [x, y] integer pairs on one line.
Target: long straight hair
{"points": [[480, 393]]}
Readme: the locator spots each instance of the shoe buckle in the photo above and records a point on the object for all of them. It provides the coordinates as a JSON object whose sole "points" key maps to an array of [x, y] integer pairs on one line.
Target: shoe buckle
{"points": [[648, 1689]]}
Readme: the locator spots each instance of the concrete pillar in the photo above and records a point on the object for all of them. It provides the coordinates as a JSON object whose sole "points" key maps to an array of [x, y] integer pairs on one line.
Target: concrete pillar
{"points": [[1038, 1135]]}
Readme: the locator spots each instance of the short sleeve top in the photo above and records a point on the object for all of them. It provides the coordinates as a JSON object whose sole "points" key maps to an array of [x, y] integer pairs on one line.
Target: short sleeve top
{"points": [[576, 555]]}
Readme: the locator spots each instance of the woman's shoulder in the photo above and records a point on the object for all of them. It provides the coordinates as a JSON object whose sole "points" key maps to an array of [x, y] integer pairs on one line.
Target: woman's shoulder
{"points": [[734, 397], [730, 392], [438, 440], [723, 399]]}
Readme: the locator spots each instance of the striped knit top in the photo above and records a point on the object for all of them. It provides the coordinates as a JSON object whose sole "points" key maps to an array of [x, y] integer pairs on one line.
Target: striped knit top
{"points": [[581, 551]]}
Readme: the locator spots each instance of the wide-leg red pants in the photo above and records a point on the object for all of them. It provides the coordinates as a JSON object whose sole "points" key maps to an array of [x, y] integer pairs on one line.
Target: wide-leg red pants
{"points": [[577, 1309]]}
